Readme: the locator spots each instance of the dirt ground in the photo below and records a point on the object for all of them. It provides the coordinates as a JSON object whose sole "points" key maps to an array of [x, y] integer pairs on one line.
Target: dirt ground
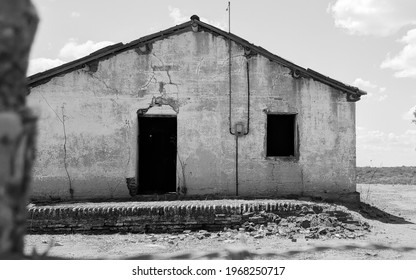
{"points": [[390, 210]]}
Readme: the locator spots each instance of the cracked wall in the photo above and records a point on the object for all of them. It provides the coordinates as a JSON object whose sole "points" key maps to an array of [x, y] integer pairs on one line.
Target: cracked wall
{"points": [[189, 73]]}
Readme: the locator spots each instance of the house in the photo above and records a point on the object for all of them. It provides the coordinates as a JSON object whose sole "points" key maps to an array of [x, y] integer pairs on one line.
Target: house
{"points": [[193, 110]]}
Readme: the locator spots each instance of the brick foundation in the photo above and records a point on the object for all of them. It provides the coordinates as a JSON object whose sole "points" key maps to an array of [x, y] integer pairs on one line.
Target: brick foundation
{"points": [[159, 219]]}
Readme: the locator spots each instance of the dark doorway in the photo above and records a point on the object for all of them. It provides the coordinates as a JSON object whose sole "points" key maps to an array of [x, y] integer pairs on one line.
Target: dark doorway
{"points": [[157, 155]]}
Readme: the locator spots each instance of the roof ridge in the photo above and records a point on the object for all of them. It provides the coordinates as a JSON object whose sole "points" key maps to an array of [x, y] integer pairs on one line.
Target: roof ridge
{"points": [[353, 93]]}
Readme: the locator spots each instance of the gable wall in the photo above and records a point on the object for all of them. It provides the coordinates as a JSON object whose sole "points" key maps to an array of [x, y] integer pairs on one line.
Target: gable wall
{"points": [[189, 72]]}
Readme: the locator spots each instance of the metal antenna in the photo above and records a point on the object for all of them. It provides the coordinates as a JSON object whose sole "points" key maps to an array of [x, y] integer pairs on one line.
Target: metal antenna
{"points": [[229, 17]]}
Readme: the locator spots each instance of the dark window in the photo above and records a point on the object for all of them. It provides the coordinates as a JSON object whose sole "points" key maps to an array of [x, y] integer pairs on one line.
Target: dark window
{"points": [[281, 135]]}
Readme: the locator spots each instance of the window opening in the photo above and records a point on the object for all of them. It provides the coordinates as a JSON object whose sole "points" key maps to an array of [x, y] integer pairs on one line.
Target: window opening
{"points": [[281, 135]]}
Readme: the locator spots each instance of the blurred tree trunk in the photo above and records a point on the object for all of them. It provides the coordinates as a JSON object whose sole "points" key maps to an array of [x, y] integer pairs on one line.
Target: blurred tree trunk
{"points": [[18, 23]]}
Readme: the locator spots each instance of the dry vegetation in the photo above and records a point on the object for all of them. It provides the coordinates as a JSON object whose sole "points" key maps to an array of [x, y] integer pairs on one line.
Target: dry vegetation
{"points": [[403, 175]]}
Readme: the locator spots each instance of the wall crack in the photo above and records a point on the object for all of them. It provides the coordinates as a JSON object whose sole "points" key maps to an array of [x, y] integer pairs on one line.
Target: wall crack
{"points": [[108, 87], [164, 95], [198, 67], [182, 187], [143, 87], [62, 120], [71, 190]]}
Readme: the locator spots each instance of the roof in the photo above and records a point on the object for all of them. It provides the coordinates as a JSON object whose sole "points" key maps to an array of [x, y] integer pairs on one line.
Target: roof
{"points": [[353, 93]]}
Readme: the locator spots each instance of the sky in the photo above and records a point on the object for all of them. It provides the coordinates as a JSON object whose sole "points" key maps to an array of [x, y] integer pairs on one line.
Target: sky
{"points": [[370, 44]]}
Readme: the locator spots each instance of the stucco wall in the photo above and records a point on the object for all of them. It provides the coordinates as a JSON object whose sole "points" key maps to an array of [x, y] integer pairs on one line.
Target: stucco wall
{"points": [[88, 123]]}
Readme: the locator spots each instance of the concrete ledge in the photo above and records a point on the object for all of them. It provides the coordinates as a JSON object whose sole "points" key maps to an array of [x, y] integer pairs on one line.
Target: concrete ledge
{"points": [[96, 218]]}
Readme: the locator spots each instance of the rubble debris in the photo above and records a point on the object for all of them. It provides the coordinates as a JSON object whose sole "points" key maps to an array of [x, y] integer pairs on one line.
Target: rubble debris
{"points": [[371, 254], [310, 224]]}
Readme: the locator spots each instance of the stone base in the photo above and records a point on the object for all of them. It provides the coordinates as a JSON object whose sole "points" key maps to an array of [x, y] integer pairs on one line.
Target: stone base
{"points": [[94, 218]]}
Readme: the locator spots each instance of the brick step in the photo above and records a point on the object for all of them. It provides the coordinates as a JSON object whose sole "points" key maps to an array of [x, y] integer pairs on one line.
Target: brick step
{"points": [[95, 219]]}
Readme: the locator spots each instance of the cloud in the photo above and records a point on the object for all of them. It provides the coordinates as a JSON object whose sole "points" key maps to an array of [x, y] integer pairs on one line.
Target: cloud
{"points": [[410, 115], [177, 15], [70, 51], [371, 88], [373, 17], [178, 18], [75, 14], [41, 64], [404, 63], [380, 141], [382, 18], [365, 84], [73, 50], [382, 97], [379, 148]]}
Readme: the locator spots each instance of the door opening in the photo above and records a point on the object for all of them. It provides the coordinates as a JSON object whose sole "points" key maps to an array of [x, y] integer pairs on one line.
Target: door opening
{"points": [[157, 154]]}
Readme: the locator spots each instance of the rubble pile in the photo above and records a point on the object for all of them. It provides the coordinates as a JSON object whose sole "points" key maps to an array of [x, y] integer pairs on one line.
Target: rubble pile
{"points": [[285, 219], [307, 225], [330, 224]]}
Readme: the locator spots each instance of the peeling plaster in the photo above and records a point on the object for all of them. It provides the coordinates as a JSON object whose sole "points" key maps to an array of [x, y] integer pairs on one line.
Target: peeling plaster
{"points": [[183, 76]]}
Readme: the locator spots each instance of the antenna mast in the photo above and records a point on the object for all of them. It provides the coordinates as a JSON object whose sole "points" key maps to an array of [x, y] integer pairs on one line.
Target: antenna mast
{"points": [[229, 17]]}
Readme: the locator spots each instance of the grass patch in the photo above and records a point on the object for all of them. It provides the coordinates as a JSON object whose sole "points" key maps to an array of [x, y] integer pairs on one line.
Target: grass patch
{"points": [[403, 175]]}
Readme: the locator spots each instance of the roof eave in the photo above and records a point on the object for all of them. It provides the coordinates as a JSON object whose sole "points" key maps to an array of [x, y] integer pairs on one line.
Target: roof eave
{"points": [[45, 76], [353, 93]]}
